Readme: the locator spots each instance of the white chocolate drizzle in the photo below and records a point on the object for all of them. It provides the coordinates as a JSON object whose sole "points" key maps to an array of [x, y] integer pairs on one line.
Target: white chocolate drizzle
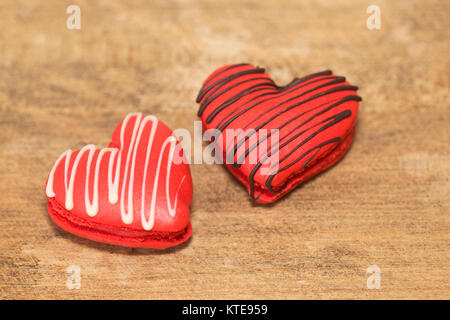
{"points": [[115, 157]]}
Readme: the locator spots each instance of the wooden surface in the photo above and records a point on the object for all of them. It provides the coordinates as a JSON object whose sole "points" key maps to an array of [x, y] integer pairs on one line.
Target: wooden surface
{"points": [[386, 204]]}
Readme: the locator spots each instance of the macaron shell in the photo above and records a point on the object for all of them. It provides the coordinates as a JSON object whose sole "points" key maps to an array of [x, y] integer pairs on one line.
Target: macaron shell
{"points": [[145, 165], [296, 125]]}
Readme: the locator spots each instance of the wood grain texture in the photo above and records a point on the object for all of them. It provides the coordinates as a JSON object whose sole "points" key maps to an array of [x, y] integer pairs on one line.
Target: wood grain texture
{"points": [[386, 203]]}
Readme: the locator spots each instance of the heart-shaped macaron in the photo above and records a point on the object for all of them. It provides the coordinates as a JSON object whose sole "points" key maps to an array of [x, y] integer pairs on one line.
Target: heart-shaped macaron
{"points": [[274, 138], [136, 192]]}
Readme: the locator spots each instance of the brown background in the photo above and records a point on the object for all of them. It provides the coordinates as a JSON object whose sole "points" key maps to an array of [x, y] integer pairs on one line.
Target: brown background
{"points": [[386, 204]]}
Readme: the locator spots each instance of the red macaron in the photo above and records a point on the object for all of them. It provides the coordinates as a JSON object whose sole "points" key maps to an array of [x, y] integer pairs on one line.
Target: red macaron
{"points": [[274, 138], [135, 193]]}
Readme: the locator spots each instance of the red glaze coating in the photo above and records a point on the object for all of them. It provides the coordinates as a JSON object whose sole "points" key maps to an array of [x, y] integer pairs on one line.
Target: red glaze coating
{"points": [[314, 116]]}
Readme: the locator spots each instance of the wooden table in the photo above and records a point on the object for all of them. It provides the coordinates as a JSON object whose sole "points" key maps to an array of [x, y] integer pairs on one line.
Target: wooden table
{"points": [[386, 204]]}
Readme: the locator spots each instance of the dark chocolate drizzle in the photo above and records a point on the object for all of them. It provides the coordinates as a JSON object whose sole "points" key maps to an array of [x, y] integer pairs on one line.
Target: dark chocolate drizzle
{"points": [[263, 89], [224, 81]]}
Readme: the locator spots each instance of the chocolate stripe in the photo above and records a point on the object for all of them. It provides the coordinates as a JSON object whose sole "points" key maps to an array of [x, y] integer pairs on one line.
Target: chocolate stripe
{"points": [[225, 80], [217, 74]]}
